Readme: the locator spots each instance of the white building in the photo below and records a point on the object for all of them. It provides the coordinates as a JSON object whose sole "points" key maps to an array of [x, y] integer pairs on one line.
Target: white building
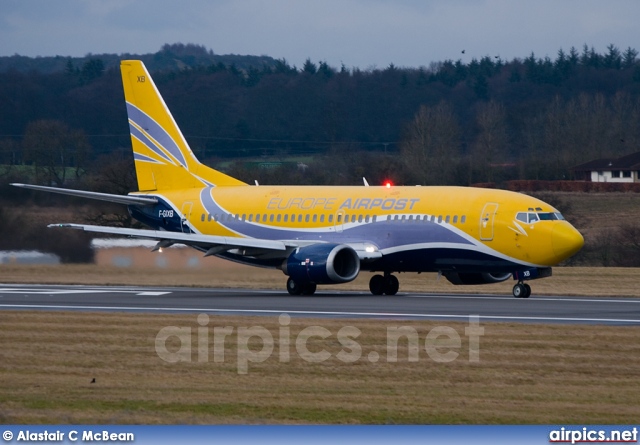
{"points": [[624, 169]]}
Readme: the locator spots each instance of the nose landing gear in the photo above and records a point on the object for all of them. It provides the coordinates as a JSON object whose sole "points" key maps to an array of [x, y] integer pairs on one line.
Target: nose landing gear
{"points": [[521, 290]]}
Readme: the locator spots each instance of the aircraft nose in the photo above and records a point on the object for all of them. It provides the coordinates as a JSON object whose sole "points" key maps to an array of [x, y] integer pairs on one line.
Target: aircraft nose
{"points": [[566, 241]]}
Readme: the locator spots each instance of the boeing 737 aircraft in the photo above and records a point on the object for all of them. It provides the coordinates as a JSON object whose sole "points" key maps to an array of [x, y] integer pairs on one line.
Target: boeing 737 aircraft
{"points": [[327, 234]]}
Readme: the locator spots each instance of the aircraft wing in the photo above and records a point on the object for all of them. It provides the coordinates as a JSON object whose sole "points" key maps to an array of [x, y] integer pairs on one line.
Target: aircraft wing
{"points": [[214, 244], [217, 244]]}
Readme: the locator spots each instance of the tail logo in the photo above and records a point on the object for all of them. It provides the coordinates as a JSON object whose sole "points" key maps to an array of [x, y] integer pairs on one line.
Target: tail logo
{"points": [[154, 137]]}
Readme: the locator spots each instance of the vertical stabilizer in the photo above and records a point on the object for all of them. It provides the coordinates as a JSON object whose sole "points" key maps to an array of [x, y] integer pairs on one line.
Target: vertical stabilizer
{"points": [[162, 156]]}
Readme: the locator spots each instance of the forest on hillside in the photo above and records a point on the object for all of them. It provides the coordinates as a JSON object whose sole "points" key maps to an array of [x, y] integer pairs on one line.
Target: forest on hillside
{"points": [[487, 120]]}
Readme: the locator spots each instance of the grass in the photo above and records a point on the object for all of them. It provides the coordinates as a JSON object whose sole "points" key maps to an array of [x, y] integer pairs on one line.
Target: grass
{"points": [[540, 374], [581, 281]]}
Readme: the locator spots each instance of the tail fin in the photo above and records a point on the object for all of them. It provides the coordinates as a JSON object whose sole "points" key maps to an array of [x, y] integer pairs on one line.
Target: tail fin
{"points": [[162, 156]]}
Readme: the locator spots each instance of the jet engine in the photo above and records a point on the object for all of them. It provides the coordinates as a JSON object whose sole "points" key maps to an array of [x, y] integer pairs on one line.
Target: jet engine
{"points": [[322, 264]]}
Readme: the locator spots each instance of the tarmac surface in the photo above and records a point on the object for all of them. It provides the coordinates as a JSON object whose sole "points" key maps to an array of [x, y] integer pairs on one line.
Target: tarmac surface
{"points": [[325, 303]]}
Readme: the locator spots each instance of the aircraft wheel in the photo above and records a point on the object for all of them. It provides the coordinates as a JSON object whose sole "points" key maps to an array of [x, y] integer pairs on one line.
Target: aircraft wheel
{"points": [[294, 288], [376, 285], [309, 289], [519, 291], [392, 285], [528, 291]]}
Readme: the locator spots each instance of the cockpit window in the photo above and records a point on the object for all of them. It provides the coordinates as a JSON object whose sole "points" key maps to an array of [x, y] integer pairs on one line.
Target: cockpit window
{"points": [[533, 217]]}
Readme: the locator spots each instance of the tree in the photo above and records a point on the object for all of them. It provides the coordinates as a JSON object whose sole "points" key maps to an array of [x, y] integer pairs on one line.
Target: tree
{"points": [[432, 145], [481, 87], [309, 67], [92, 69], [55, 150], [612, 59], [491, 145], [629, 57]]}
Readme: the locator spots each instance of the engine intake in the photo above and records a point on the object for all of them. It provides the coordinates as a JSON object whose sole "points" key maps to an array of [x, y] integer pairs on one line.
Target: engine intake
{"points": [[322, 264], [458, 278]]}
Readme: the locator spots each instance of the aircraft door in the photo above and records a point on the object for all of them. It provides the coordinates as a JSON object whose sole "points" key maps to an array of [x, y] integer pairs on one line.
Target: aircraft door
{"points": [[186, 214], [486, 221]]}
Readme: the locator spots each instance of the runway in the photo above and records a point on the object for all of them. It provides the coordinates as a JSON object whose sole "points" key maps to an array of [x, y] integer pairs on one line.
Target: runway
{"points": [[537, 309]]}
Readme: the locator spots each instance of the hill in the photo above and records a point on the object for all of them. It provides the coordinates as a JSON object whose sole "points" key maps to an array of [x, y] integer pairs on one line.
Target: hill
{"points": [[170, 57]]}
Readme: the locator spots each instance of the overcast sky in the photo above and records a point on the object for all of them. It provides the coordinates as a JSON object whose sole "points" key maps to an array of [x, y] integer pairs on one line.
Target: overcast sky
{"points": [[358, 33]]}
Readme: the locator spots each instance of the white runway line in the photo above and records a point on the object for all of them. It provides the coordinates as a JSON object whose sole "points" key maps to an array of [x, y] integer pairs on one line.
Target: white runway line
{"points": [[321, 313]]}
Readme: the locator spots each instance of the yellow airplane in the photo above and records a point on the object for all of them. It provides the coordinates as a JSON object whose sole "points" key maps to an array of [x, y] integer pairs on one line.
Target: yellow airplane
{"points": [[327, 234]]}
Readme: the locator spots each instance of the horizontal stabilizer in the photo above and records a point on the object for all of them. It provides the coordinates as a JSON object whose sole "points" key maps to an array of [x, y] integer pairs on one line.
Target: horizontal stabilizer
{"points": [[120, 199], [190, 239]]}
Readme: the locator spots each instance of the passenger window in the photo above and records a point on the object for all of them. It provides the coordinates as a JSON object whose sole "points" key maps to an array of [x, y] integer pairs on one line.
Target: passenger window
{"points": [[439, 219], [366, 219], [374, 218], [322, 218], [251, 217], [306, 218], [331, 218], [202, 218], [315, 218], [455, 219], [279, 217], [271, 218], [300, 218], [286, 217], [258, 217], [359, 218], [447, 219], [339, 219], [463, 219]]}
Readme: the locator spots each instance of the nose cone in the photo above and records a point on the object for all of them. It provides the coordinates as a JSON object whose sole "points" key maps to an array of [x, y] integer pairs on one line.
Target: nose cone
{"points": [[566, 241]]}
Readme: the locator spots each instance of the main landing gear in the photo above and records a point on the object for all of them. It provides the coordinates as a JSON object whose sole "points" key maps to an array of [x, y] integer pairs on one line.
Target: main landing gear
{"points": [[387, 284], [521, 290], [300, 289]]}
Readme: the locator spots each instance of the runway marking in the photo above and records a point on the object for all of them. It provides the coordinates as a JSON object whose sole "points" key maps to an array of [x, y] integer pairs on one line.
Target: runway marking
{"points": [[54, 291], [58, 291], [322, 313], [535, 298]]}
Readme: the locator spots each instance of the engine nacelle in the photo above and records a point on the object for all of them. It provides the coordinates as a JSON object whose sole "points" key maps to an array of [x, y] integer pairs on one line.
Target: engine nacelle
{"points": [[475, 278], [322, 264]]}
